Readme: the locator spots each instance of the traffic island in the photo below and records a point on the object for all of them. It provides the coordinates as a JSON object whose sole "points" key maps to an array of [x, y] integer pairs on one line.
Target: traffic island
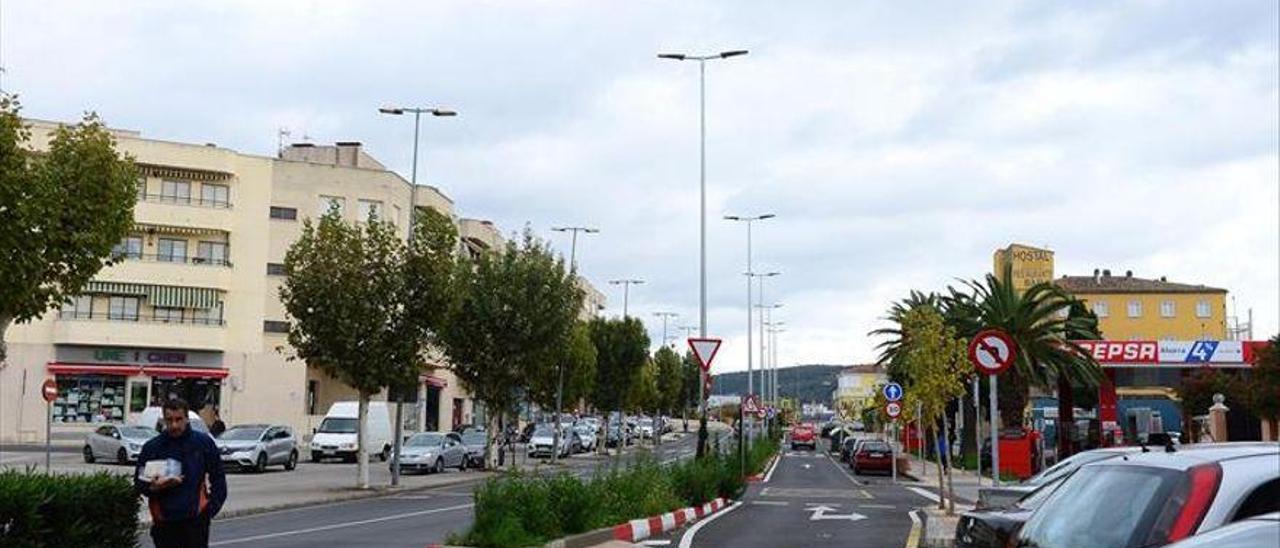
{"points": [[637, 530]]}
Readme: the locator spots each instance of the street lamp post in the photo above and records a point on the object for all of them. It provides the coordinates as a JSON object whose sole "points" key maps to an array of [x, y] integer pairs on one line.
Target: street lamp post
{"points": [[626, 291], [749, 220], [665, 316], [413, 209], [702, 210], [573, 271]]}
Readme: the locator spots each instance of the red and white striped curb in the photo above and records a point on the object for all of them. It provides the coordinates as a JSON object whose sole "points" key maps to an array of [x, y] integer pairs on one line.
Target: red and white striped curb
{"points": [[640, 529]]}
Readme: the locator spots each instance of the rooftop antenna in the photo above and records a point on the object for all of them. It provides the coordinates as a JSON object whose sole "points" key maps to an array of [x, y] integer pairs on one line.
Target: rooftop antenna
{"points": [[281, 133]]}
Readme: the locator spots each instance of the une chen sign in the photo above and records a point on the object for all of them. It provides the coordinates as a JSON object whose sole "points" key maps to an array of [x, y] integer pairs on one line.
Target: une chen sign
{"points": [[1172, 353]]}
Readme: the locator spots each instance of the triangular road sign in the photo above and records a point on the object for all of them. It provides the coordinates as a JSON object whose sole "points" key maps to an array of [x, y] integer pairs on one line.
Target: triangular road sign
{"points": [[750, 405], [705, 350]]}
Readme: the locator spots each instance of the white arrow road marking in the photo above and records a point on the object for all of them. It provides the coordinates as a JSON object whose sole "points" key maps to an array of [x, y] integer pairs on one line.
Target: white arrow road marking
{"points": [[820, 513], [656, 542]]}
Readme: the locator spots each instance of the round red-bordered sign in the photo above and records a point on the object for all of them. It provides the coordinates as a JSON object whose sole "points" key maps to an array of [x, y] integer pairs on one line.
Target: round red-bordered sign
{"points": [[49, 390], [992, 351], [893, 409]]}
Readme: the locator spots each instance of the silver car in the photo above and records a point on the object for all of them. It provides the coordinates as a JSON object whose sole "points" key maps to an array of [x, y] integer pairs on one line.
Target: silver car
{"points": [[1005, 495], [433, 452], [257, 446], [119, 443], [543, 440]]}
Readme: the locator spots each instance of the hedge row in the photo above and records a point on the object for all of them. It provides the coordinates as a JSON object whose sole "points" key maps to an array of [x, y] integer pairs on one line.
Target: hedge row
{"points": [[524, 509], [67, 509]]}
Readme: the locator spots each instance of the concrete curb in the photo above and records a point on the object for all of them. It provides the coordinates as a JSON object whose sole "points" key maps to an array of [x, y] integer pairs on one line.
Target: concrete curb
{"points": [[640, 529]]}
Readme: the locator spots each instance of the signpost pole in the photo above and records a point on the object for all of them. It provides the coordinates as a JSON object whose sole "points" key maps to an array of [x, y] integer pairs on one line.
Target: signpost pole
{"points": [[995, 442], [48, 429], [977, 427], [893, 451]]}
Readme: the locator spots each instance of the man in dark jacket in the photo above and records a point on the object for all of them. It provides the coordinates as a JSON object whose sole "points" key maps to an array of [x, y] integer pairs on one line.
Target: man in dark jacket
{"points": [[181, 504]]}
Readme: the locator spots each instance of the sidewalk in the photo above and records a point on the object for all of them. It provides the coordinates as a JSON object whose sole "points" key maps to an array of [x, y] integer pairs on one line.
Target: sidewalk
{"points": [[939, 529]]}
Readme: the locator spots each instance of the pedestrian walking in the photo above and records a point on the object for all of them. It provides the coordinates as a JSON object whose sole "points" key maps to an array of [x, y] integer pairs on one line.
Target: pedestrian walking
{"points": [[180, 473]]}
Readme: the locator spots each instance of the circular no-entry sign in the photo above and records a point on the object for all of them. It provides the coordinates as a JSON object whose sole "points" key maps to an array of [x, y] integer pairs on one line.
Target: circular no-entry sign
{"points": [[992, 351], [893, 409], [49, 390]]}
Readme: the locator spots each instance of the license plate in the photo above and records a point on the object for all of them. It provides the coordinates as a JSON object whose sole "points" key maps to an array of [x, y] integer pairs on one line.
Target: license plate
{"points": [[876, 455], [328, 451]]}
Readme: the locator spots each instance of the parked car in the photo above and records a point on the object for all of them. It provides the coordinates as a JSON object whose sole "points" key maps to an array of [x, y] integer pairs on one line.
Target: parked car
{"points": [[803, 434], [645, 428], [848, 448], [467, 428], [118, 442], [1158, 497], [257, 446], [432, 452], [586, 437], [1004, 495], [1256, 531], [873, 455], [992, 528], [618, 435], [542, 442], [336, 435], [474, 443]]}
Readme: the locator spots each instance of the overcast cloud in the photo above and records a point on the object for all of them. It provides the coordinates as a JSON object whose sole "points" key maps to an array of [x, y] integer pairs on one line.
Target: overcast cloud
{"points": [[898, 144]]}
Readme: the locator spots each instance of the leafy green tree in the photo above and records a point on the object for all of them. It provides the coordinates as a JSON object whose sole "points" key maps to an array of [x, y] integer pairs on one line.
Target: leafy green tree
{"points": [[345, 291], [515, 318], [936, 361], [670, 380], [1264, 385], [61, 212], [622, 348]]}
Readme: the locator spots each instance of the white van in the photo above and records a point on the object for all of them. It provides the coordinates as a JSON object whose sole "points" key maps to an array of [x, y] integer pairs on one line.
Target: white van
{"points": [[153, 417], [336, 436]]}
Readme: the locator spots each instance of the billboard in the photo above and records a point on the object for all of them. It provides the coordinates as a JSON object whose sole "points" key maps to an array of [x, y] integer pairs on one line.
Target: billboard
{"points": [[1172, 353]]}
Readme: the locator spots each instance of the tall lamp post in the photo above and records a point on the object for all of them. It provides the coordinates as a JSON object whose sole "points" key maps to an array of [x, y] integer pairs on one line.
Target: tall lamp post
{"points": [[764, 321], [626, 284], [573, 271], [665, 316], [413, 209], [749, 220], [702, 209]]}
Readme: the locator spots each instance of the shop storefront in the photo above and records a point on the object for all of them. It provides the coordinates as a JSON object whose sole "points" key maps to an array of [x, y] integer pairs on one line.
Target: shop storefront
{"points": [[112, 384]]}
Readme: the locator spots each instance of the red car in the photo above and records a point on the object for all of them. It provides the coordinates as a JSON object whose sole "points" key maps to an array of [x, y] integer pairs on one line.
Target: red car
{"points": [[803, 434], [872, 455]]}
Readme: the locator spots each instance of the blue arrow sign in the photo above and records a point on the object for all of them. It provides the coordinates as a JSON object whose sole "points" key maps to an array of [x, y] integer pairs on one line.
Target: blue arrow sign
{"points": [[893, 391]]}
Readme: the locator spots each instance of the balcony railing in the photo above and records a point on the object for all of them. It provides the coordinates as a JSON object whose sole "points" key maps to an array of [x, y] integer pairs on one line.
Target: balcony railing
{"points": [[159, 258], [184, 200], [137, 318]]}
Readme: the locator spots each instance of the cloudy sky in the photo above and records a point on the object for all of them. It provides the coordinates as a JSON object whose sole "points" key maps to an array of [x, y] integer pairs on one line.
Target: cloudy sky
{"points": [[898, 143]]}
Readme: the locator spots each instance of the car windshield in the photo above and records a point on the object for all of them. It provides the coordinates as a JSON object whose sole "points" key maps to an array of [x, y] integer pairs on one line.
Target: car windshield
{"points": [[136, 432], [474, 438], [874, 446], [1034, 499], [428, 439], [336, 425], [238, 433], [544, 431], [1108, 507]]}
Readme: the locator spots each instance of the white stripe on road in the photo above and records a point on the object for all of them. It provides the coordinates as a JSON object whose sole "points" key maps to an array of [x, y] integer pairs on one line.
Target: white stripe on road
{"points": [[340, 525], [880, 506], [771, 469], [770, 502], [843, 471], [687, 540], [925, 493], [913, 538], [656, 542]]}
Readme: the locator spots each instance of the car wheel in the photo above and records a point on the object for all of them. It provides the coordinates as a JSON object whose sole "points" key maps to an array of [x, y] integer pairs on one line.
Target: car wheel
{"points": [[261, 463], [439, 467], [292, 462], [462, 465], [88, 454], [122, 456]]}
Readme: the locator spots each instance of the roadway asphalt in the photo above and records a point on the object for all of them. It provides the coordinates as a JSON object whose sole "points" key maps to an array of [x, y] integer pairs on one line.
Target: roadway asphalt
{"points": [[413, 518], [808, 500]]}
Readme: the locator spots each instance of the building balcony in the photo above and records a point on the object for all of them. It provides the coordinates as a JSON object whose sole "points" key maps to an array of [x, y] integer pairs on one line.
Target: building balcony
{"points": [[139, 330], [183, 212], [166, 270]]}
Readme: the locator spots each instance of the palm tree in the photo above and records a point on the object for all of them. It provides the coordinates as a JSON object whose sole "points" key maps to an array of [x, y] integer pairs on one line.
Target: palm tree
{"points": [[890, 347], [1040, 322]]}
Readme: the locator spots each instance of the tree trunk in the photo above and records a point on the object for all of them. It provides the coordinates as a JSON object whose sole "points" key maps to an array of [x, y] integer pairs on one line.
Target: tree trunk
{"points": [[1066, 418], [968, 436], [942, 493], [490, 452], [362, 442], [5, 321], [951, 496]]}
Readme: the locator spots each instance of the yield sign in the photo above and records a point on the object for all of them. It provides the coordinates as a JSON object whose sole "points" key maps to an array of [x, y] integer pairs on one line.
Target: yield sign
{"points": [[705, 350], [992, 351]]}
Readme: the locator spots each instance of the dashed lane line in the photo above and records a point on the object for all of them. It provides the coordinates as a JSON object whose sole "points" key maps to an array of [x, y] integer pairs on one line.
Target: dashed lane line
{"points": [[256, 538], [925, 493]]}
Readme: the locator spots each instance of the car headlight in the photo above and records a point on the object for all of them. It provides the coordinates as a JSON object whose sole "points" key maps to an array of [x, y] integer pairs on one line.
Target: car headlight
{"points": [[348, 446], [134, 447]]}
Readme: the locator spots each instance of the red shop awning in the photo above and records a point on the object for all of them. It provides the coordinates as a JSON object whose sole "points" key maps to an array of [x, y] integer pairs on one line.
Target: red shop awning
{"points": [[186, 372], [93, 369]]}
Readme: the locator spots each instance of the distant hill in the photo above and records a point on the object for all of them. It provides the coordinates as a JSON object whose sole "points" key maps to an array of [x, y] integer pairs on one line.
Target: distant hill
{"points": [[809, 383]]}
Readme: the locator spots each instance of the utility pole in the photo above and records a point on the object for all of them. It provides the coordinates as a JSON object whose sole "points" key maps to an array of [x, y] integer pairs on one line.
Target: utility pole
{"points": [[702, 209], [573, 271], [413, 209]]}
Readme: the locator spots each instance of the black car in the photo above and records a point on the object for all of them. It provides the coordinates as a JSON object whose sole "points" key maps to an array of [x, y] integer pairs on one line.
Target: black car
{"points": [[994, 528]]}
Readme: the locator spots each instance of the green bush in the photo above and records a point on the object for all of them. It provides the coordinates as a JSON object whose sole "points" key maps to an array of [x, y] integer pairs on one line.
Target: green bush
{"points": [[524, 509], [67, 509]]}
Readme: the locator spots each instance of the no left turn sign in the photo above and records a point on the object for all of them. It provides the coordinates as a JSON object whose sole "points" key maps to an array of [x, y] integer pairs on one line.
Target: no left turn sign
{"points": [[992, 351]]}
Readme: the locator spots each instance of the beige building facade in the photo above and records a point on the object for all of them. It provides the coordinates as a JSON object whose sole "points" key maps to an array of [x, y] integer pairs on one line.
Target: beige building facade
{"points": [[192, 309]]}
